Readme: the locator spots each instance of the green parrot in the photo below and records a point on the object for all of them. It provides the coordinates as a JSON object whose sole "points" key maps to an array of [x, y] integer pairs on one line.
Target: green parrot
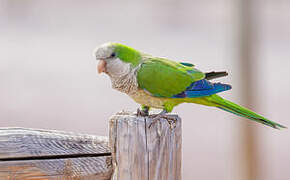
{"points": [[163, 84]]}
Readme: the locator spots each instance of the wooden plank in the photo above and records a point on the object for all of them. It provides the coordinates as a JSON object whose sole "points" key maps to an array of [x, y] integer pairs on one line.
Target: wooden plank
{"points": [[74, 168], [47, 154], [20, 142], [142, 152]]}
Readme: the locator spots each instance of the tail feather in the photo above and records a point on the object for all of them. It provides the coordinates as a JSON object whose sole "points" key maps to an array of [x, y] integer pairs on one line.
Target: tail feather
{"points": [[213, 75], [243, 112]]}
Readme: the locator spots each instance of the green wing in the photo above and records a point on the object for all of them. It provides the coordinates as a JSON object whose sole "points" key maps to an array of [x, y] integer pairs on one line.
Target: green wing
{"points": [[165, 78]]}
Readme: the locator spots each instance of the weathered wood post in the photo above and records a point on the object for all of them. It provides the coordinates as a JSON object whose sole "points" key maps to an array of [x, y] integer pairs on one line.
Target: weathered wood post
{"points": [[135, 151], [140, 152]]}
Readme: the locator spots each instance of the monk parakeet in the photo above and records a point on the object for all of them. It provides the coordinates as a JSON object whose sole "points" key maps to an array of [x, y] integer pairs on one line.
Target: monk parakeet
{"points": [[163, 84]]}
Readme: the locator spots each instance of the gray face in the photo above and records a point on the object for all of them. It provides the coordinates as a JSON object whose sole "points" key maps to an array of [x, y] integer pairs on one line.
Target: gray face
{"points": [[104, 52], [109, 63]]}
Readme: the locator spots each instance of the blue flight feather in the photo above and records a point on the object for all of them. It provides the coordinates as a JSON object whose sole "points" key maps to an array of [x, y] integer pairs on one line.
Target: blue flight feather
{"points": [[202, 88]]}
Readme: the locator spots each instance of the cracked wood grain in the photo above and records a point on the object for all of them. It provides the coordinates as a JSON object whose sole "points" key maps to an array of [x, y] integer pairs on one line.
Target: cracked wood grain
{"points": [[143, 153], [47, 154]]}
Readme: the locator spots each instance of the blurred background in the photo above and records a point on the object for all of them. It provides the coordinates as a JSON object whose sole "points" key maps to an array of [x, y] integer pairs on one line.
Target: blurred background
{"points": [[48, 74]]}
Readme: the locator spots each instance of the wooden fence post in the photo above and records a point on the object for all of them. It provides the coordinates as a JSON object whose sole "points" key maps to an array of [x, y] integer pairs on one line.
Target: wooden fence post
{"points": [[136, 152], [140, 152]]}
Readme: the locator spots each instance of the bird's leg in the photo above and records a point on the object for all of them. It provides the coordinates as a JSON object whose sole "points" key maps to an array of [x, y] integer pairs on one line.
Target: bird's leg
{"points": [[143, 112], [162, 114]]}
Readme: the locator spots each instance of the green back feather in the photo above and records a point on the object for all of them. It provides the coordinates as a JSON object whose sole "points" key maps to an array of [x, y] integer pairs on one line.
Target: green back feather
{"points": [[165, 78]]}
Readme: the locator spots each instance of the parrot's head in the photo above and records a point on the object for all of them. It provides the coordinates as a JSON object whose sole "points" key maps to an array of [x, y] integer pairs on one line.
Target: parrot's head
{"points": [[116, 59]]}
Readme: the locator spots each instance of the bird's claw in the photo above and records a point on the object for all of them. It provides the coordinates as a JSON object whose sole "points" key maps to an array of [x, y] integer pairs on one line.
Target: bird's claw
{"points": [[142, 113]]}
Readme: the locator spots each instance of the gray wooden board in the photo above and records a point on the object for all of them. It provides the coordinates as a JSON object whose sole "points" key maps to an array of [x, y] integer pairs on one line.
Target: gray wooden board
{"points": [[54, 154]]}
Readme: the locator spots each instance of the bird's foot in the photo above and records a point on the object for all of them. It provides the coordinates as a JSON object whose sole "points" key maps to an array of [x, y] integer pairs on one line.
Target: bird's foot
{"points": [[163, 114], [143, 112]]}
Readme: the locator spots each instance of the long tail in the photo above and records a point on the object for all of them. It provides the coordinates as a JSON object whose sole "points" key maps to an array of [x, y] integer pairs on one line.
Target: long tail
{"points": [[241, 111]]}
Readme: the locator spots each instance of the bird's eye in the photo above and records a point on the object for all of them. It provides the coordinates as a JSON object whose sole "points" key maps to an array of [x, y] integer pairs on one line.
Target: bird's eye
{"points": [[113, 55]]}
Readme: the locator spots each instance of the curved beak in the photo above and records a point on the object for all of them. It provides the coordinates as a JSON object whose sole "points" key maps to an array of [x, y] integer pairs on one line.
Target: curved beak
{"points": [[101, 67]]}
